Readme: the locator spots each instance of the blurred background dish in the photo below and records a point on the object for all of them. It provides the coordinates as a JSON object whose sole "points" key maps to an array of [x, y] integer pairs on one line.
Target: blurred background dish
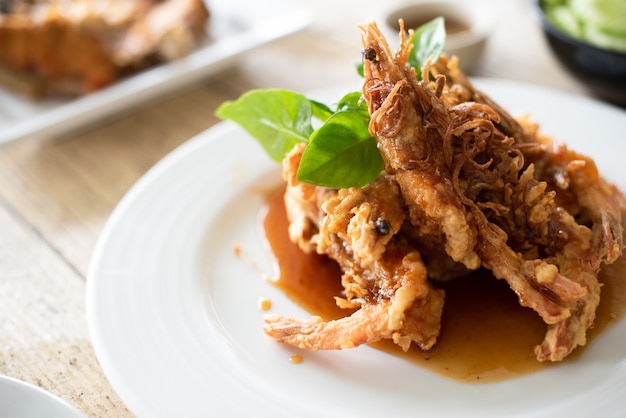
{"points": [[468, 26], [596, 61], [74, 48], [236, 27]]}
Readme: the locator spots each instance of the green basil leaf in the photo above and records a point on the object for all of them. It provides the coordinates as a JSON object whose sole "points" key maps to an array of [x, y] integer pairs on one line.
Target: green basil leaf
{"points": [[352, 101], [320, 110], [358, 66], [278, 119], [429, 40], [341, 153]]}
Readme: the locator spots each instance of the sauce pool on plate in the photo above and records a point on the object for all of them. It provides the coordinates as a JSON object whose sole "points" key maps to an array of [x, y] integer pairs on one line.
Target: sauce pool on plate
{"points": [[485, 335]]}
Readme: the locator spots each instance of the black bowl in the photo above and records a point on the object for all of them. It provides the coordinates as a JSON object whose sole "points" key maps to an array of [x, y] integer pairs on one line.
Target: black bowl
{"points": [[603, 72]]}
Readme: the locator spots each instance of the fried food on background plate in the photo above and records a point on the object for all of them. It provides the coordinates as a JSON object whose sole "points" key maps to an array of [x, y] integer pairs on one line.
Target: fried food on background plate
{"points": [[73, 47]]}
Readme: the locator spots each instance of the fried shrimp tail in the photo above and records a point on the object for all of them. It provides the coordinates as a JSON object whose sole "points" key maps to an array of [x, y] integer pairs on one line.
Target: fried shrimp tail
{"points": [[370, 324]]}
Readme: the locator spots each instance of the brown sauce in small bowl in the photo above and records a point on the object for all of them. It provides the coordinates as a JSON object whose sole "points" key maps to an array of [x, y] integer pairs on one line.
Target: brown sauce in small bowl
{"points": [[485, 335], [452, 26]]}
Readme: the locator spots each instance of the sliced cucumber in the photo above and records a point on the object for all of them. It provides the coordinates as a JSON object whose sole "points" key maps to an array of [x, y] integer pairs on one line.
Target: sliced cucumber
{"points": [[608, 16], [564, 19], [604, 40], [598, 22]]}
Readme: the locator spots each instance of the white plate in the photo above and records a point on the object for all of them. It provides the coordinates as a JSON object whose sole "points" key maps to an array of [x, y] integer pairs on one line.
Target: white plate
{"points": [[173, 311], [19, 399], [235, 27]]}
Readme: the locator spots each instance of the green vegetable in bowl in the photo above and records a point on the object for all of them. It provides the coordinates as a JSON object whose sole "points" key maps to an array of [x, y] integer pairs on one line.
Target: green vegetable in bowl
{"points": [[341, 153], [601, 23]]}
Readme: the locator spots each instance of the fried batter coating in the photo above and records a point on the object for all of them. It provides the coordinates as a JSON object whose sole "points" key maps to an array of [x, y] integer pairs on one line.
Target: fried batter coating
{"points": [[480, 158], [383, 276], [465, 186]]}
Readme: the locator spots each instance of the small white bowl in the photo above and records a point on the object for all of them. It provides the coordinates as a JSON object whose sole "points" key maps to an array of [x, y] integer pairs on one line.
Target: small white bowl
{"points": [[468, 26], [19, 399]]}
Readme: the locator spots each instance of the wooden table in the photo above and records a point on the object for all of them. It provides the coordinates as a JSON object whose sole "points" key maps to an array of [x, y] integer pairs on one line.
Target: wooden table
{"points": [[56, 195]]}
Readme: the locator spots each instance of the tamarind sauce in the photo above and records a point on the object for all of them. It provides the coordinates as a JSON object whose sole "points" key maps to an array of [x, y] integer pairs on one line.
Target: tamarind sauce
{"points": [[485, 335]]}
